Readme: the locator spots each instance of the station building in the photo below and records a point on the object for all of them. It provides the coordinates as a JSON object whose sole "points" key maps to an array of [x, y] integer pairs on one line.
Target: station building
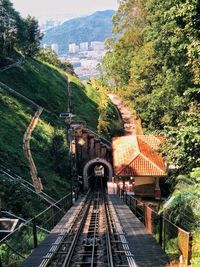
{"points": [[136, 159]]}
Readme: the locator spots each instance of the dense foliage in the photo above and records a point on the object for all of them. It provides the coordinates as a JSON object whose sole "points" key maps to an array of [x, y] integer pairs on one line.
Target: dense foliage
{"points": [[16, 32], [109, 124], [50, 57], [154, 63]]}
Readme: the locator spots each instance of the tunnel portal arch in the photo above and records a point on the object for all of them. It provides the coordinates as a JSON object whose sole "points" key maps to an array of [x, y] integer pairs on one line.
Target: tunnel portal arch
{"points": [[92, 162]]}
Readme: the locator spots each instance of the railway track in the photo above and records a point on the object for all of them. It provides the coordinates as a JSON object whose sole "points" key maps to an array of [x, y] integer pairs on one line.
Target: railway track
{"points": [[94, 239]]}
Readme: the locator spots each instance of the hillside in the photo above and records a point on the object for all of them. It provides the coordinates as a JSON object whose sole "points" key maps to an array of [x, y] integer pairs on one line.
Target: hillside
{"points": [[96, 27], [46, 85]]}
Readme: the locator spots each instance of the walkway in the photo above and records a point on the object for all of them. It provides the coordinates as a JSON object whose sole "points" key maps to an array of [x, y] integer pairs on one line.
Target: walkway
{"points": [[131, 124], [146, 251]]}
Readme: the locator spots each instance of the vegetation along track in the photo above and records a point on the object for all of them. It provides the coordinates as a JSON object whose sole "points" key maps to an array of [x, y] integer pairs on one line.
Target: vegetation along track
{"points": [[93, 239]]}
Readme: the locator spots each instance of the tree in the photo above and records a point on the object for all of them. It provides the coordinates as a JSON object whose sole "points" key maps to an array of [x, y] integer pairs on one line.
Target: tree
{"points": [[8, 27], [182, 142], [17, 33], [128, 22], [33, 36]]}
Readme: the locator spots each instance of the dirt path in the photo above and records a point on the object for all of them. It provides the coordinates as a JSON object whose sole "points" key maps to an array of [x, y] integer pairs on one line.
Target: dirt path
{"points": [[131, 124]]}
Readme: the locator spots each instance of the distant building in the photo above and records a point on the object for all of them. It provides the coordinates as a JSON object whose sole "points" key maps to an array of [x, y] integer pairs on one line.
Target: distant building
{"points": [[77, 48], [47, 46], [89, 63], [84, 46], [73, 48], [54, 48], [97, 46]]}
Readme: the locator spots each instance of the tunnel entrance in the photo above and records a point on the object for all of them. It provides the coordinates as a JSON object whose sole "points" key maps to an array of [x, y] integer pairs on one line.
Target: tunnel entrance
{"points": [[97, 171]]}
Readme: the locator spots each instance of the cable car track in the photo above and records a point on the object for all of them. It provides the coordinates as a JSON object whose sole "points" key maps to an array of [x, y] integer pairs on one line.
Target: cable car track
{"points": [[93, 240]]}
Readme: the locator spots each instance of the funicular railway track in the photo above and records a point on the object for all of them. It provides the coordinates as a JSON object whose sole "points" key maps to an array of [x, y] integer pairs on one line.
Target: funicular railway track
{"points": [[93, 239]]}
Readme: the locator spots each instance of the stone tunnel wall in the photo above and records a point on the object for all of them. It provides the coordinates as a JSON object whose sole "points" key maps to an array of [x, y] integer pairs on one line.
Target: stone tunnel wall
{"points": [[90, 146]]}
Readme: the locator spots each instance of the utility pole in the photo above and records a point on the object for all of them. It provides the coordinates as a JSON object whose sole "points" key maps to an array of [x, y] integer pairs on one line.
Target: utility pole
{"points": [[73, 163], [71, 140]]}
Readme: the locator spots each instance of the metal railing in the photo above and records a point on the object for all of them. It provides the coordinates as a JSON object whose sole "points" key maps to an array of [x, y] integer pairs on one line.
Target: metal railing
{"points": [[175, 241], [14, 177], [10, 66], [19, 244]]}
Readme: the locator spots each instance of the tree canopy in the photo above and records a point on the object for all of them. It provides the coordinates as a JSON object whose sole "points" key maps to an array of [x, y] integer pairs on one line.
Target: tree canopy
{"points": [[17, 32], [153, 61]]}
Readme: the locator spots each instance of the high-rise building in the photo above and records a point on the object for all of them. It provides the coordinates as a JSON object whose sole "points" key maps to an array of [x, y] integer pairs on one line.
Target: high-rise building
{"points": [[84, 46], [97, 45], [54, 48], [77, 48], [73, 48]]}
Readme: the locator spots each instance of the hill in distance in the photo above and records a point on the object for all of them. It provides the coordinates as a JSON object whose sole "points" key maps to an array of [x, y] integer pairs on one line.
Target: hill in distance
{"points": [[96, 27]]}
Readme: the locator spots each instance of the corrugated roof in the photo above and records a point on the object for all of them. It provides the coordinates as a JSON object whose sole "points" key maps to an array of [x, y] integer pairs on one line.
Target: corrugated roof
{"points": [[137, 156]]}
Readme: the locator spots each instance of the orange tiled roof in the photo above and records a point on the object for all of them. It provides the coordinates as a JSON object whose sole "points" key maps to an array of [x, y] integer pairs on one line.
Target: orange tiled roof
{"points": [[137, 156]]}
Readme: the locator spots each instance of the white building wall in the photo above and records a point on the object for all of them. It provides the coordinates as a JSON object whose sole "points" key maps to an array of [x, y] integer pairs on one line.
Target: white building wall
{"points": [[54, 47], [97, 45], [84, 46]]}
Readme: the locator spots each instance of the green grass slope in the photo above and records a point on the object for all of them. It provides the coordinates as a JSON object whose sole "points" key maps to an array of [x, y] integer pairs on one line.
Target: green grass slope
{"points": [[15, 117], [85, 108], [47, 86]]}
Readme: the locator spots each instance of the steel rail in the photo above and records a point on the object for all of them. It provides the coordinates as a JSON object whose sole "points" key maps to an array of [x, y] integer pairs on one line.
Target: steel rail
{"points": [[95, 231], [109, 247], [108, 239], [48, 259], [95, 206], [68, 258]]}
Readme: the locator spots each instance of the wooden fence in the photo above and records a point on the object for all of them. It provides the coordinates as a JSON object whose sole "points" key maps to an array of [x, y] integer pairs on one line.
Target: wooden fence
{"points": [[26, 146]]}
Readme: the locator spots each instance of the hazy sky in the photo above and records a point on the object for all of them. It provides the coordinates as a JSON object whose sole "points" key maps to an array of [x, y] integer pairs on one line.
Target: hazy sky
{"points": [[49, 8]]}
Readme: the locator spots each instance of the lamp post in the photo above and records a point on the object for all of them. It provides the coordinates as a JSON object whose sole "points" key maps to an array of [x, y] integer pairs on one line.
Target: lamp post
{"points": [[81, 143], [71, 125], [73, 166], [67, 117]]}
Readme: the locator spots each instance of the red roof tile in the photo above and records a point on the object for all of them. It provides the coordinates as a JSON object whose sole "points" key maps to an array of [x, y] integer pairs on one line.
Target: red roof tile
{"points": [[137, 156]]}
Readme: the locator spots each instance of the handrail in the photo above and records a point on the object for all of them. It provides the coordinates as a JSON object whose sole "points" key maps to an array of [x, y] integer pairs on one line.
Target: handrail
{"points": [[12, 91], [18, 62], [162, 216], [27, 185], [31, 220], [22, 219]]}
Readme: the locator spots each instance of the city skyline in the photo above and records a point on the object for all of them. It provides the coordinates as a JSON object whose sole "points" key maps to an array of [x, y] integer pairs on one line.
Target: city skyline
{"points": [[47, 9]]}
